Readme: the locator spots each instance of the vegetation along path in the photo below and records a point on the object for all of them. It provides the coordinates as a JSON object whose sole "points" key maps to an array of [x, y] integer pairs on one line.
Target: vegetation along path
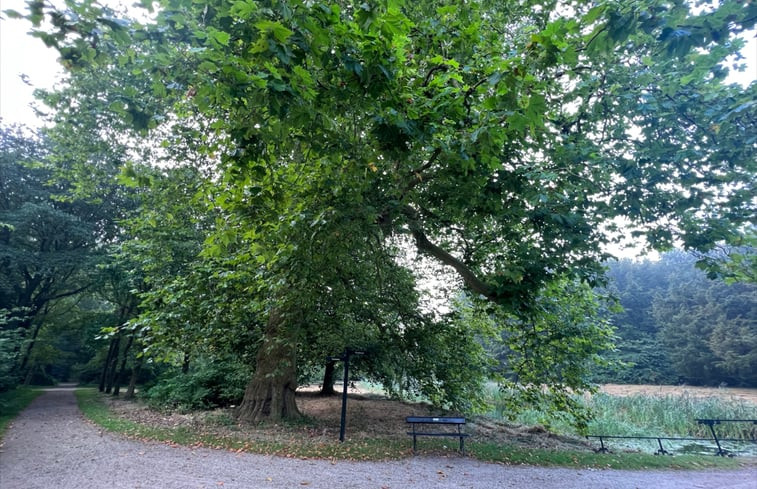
{"points": [[51, 445]]}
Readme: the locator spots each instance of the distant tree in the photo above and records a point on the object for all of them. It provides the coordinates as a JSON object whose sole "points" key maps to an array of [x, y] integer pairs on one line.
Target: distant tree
{"points": [[47, 246], [681, 326], [709, 329]]}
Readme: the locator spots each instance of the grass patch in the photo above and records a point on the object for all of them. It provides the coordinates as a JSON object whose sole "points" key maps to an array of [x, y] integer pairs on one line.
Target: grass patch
{"points": [[295, 445], [647, 415], [620, 461], [670, 415], [13, 402]]}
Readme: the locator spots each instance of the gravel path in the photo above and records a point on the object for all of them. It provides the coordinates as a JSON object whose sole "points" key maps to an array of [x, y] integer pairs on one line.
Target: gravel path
{"points": [[51, 446]]}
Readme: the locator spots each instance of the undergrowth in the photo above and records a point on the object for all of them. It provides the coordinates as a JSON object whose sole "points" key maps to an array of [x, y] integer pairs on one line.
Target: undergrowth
{"points": [[647, 415]]}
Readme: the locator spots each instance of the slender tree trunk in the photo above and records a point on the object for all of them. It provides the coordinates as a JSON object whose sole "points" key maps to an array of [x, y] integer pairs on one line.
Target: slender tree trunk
{"points": [[134, 375], [185, 364], [29, 375], [327, 389], [270, 393], [120, 375], [108, 361], [28, 351], [113, 367]]}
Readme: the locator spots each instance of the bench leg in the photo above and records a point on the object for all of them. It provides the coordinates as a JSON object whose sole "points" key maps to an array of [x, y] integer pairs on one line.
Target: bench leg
{"points": [[414, 437], [462, 445]]}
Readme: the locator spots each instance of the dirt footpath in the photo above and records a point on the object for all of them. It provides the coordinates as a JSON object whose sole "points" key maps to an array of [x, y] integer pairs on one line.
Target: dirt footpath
{"points": [[51, 446]]}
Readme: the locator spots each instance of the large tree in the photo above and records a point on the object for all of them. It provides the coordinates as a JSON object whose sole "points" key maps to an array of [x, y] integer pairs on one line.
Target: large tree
{"points": [[502, 139]]}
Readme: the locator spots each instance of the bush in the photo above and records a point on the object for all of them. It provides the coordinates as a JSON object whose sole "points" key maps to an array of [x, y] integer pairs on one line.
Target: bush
{"points": [[9, 345], [209, 383]]}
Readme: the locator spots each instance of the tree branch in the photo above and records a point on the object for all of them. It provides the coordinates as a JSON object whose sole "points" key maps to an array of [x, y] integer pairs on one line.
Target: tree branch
{"points": [[425, 246], [416, 174]]}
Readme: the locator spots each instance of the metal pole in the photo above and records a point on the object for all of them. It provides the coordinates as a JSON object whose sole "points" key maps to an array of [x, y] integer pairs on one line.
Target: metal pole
{"points": [[720, 451], [344, 394]]}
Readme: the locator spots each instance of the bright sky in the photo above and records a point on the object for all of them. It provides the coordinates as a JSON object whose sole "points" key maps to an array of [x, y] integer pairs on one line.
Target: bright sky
{"points": [[22, 56]]}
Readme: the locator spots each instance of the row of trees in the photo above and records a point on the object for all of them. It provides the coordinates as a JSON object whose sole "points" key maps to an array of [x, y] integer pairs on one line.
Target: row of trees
{"points": [[283, 177], [678, 326], [58, 287]]}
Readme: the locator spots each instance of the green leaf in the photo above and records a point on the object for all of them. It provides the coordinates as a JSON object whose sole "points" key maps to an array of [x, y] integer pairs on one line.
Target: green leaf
{"points": [[280, 33], [219, 37]]}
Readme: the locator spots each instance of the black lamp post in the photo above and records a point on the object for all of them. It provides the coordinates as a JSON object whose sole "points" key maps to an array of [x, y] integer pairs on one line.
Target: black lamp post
{"points": [[345, 357]]}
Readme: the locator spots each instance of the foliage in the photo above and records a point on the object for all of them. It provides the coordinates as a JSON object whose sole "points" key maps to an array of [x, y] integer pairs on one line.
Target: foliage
{"points": [[498, 138], [48, 247], [551, 354], [645, 415], [670, 415], [10, 346], [295, 445], [209, 383], [710, 331], [680, 326]]}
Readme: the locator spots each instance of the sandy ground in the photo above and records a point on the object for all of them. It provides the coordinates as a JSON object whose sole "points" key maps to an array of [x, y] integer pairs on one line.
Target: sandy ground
{"points": [[50, 445], [749, 395]]}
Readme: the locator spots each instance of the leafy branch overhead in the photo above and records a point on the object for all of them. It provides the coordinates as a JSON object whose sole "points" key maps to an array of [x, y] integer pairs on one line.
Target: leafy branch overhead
{"points": [[503, 140]]}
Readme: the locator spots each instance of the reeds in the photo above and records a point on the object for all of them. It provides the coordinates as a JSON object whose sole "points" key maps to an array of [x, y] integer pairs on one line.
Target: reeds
{"points": [[648, 415]]}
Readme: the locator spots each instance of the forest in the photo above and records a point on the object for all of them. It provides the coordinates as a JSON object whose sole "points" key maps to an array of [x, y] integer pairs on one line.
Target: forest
{"points": [[228, 194]]}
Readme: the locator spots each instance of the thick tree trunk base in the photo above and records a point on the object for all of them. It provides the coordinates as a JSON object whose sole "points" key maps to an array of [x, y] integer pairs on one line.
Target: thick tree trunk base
{"points": [[268, 401], [270, 394]]}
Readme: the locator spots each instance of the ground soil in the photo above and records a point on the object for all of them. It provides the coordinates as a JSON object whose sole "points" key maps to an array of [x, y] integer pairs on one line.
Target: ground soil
{"points": [[369, 415], [50, 445], [749, 395]]}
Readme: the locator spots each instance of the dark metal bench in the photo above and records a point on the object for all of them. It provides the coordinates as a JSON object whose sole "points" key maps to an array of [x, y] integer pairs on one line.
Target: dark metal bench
{"points": [[437, 421]]}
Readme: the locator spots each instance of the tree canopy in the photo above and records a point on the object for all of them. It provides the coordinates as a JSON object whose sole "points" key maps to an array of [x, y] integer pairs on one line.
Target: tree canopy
{"points": [[506, 141]]}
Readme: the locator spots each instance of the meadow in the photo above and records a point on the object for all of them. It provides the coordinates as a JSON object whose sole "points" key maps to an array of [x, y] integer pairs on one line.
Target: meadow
{"points": [[665, 411]]}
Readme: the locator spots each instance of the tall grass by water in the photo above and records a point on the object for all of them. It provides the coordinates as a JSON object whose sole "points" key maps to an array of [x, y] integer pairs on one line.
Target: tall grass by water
{"points": [[650, 415], [670, 415]]}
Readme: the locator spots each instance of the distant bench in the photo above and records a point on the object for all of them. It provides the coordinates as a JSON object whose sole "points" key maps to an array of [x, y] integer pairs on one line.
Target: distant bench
{"points": [[424, 421]]}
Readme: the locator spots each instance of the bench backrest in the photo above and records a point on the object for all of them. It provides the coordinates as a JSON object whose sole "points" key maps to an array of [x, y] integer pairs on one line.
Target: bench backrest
{"points": [[434, 420]]}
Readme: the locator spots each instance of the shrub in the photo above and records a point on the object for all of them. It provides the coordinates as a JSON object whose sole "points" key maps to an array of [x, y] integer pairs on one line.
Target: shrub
{"points": [[209, 383]]}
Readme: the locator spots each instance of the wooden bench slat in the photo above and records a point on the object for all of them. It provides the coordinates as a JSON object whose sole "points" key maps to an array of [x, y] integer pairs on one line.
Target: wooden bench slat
{"points": [[437, 420], [434, 420], [452, 434]]}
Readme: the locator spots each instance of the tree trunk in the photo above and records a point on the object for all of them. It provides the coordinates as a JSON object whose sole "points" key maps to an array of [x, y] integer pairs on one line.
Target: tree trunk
{"points": [[327, 389], [113, 367], [134, 375], [270, 393], [185, 364], [121, 370], [29, 375], [29, 347], [108, 361]]}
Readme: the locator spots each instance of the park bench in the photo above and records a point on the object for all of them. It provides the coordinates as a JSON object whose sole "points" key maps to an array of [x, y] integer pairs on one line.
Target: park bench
{"points": [[424, 421]]}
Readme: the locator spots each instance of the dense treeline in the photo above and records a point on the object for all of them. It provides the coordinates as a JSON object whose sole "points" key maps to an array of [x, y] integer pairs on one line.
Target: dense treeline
{"points": [[262, 185], [679, 326], [59, 291]]}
